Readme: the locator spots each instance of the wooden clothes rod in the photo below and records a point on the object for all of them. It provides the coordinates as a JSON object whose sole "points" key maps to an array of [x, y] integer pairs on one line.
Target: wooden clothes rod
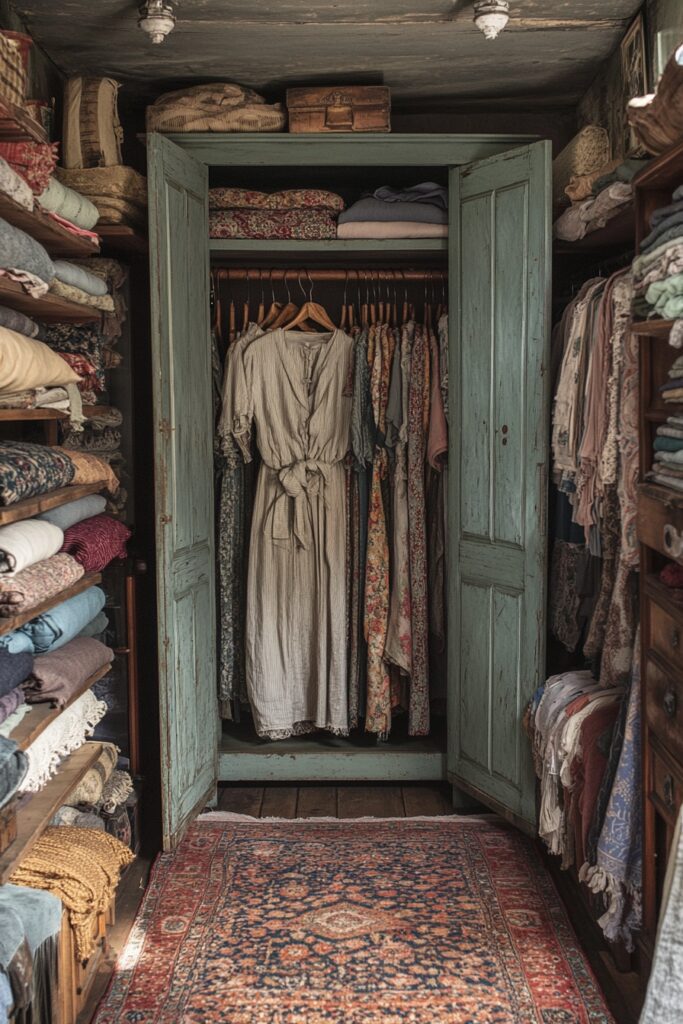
{"points": [[304, 276]]}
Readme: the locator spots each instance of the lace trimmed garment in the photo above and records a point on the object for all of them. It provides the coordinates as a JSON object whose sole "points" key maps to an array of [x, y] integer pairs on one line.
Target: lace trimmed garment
{"points": [[297, 389]]}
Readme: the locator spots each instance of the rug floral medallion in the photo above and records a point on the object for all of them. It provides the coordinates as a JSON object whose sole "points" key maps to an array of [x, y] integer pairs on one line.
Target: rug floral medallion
{"points": [[414, 921]]}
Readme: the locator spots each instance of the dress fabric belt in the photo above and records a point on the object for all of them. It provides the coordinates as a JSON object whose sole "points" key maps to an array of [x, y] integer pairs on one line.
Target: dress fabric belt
{"points": [[289, 516]]}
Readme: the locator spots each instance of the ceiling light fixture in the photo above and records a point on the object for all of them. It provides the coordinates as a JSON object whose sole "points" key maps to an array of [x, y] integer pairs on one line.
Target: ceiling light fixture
{"points": [[156, 19], [491, 16]]}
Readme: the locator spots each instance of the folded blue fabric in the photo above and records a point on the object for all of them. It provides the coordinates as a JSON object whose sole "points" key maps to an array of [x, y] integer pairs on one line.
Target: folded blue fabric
{"points": [[16, 642], [425, 192], [668, 444], [664, 212], [55, 628], [13, 768], [676, 382], [74, 512], [376, 209], [14, 669], [16, 321], [79, 277], [40, 912], [6, 997], [18, 251], [663, 231]]}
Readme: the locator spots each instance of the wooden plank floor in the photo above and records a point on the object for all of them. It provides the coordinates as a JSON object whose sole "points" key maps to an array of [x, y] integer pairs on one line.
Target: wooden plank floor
{"points": [[349, 801]]}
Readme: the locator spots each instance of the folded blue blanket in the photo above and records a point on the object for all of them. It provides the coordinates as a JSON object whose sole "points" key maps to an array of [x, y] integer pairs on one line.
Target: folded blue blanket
{"points": [[40, 914], [74, 512], [425, 192], [14, 669], [55, 628], [668, 444], [16, 642], [13, 768], [79, 277], [377, 209], [18, 251]]}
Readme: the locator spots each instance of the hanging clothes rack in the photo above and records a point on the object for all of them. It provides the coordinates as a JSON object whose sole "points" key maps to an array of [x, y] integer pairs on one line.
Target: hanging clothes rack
{"points": [[351, 276]]}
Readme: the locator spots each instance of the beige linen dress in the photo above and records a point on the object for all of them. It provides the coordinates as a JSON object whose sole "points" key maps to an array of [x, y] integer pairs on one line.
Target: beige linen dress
{"points": [[296, 388]]}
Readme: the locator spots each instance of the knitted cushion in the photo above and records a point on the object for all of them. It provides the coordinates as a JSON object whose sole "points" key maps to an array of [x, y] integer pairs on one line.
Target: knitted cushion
{"points": [[588, 151]]}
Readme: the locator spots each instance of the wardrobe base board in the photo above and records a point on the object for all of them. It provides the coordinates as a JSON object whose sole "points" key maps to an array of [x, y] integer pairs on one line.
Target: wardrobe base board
{"points": [[335, 759]]}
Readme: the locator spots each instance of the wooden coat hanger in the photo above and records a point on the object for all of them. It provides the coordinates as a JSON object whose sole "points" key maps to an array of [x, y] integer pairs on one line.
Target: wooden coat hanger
{"points": [[289, 310], [311, 311], [275, 307]]}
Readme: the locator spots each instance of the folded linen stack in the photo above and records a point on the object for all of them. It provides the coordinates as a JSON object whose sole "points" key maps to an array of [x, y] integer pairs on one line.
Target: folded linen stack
{"points": [[304, 213], [596, 199], [667, 468], [417, 212], [118, 193], [658, 269], [14, 670]]}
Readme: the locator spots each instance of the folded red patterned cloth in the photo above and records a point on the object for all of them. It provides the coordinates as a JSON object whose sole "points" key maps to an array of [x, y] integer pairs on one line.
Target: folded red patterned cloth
{"points": [[85, 370], [97, 541], [34, 161], [301, 223], [37, 583]]}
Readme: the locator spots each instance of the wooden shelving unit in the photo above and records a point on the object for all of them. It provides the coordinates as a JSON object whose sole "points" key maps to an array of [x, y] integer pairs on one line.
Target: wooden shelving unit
{"points": [[36, 811], [403, 250], [17, 125], [42, 715], [122, 239], [619, 231], [58, 240], [90, 579], [28, 415], [653, 328], [28, 507], [48, 308]]}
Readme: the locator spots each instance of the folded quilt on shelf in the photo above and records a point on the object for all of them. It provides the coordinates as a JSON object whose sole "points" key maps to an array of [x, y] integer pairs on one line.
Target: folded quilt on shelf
{"points": [[26, 542], [14, 668], [57, 676], [33, 161], [301, 223], [391, 229], [427, 192], [28, 469], [38, 583], [73, 294], [69, 204], [61, 737], [91, 787], [287, 199], [9, 702], [76, 275], [55, 628], [371, 209], [73, 512], [19, 251], [96, 542], [14, 186], [90, 469]]}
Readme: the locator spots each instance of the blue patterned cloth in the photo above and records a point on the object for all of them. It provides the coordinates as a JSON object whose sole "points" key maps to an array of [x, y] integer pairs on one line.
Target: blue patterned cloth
{"points": [[29, 469], [618, 873]]}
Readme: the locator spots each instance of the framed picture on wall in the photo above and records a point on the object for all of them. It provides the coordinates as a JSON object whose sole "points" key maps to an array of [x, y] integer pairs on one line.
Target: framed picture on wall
{"points": [[634, 79]]}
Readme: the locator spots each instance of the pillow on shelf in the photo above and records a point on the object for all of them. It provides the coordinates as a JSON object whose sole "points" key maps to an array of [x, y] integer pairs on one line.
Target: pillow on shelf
{"points": [[26, 363]]}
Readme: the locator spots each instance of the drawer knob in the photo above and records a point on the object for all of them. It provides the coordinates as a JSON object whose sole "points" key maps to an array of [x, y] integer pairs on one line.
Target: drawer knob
{"points": [[668, 790], [670, 703], [673, 541], [675, 639]]}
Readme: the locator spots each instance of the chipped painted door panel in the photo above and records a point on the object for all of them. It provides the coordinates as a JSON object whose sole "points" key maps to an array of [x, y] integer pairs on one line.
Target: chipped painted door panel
{"points": [[183, 453], [499, 330]]}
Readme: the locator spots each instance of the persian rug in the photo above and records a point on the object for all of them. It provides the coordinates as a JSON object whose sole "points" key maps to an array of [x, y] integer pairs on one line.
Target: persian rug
{"points": [[371, 921]]}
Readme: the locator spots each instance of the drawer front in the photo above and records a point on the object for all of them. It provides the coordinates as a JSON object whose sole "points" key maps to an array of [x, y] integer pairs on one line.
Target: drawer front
{"points": [[666, 786], [660, 524], [664, 704], [666, 636]]}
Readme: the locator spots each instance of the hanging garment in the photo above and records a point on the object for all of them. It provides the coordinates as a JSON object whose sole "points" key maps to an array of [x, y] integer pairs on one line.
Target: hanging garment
{"points": [[378, 712], [296, 387]]}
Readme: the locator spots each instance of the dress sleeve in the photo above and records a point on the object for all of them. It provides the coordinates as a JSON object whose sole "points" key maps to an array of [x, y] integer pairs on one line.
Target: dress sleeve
{"points": [[237, 413]]}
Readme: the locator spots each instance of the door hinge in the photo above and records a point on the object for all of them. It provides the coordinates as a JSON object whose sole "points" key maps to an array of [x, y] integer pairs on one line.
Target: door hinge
{"points": [[166, 429], [165, 518]]}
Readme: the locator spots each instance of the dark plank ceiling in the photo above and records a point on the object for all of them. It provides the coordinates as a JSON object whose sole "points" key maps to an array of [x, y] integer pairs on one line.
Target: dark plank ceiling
{"points": [[425, 50]]}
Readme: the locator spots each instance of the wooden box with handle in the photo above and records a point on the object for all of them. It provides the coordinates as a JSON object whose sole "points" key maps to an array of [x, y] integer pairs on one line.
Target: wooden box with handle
{"points": [[353, 108]]}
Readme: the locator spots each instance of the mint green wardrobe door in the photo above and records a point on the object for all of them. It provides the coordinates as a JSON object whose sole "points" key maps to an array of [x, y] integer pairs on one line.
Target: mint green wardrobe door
{"points": [[499, 252], [183, 453]]}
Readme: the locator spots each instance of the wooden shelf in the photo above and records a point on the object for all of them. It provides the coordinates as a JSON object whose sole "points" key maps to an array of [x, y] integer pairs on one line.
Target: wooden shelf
{"points": [[25, 415], [407, 250], [121, 238], [89, 580], [663, 171], [619, 231], [652, 328], [50, 308], [43, 714], [36, 811], [664, 495], [57, 239], [17, 125], [29, 507]]}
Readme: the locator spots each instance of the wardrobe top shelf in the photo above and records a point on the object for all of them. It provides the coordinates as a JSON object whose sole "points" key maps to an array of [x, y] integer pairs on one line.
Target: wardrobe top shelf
{"points": [[405, 250]]}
